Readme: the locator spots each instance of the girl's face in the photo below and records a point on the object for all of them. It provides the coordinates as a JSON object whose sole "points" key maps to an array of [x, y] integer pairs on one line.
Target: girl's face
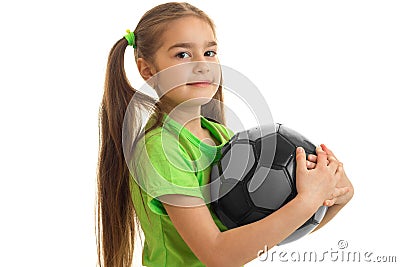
{"points": [[188, 55]]}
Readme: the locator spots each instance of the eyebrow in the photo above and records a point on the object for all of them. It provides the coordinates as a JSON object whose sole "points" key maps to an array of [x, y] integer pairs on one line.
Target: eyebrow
{"points": [[189, 45]]}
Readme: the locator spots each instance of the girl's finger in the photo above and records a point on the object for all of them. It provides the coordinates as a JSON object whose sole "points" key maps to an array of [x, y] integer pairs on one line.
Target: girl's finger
{"points": [[312, 158], [333, 163], [311, 165], [327, 150], [331, 158], [322, 159], [339, 168], [301, 160], [340, 191], [329, 202]]}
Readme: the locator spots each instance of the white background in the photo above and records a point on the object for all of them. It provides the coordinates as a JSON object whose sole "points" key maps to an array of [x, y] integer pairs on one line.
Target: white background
{"points": [[329, 69]]}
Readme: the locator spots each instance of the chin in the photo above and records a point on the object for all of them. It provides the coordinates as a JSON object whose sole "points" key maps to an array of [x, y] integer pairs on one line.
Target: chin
{"points": [[199, 101]]}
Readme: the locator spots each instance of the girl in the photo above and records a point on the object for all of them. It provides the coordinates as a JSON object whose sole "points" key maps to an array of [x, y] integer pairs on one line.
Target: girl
{"points": [[162, 191]]}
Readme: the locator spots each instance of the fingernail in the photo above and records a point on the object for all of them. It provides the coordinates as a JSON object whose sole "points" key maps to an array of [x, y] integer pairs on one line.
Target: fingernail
{"points": [[299, 149]]}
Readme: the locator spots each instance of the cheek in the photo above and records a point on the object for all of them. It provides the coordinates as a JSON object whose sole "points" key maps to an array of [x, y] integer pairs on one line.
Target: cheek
{"points": [[173, 77]]}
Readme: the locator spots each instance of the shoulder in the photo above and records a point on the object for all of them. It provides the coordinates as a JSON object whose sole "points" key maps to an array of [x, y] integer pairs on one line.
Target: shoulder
{"points": [[162, 149]]}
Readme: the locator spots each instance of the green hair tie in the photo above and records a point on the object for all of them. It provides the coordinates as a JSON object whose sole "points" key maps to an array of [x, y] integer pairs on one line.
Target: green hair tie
{"points": [[130, 37]]}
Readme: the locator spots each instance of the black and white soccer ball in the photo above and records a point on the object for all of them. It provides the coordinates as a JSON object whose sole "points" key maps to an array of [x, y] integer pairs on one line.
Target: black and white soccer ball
{"points": [[256, 175]]}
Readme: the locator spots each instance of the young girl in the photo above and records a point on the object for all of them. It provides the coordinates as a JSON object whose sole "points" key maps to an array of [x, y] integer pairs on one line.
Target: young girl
{"points": [[172, 159]]}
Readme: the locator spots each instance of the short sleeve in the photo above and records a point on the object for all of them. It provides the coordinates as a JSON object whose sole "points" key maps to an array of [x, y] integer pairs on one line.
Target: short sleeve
{"points": [[163, 167]]}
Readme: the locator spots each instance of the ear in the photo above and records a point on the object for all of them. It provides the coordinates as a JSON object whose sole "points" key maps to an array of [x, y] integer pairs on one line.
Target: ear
{"points": [[146, 69]]}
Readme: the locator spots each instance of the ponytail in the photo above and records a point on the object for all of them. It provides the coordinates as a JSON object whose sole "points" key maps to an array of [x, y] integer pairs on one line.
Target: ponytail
{"points": [[115, 213]]}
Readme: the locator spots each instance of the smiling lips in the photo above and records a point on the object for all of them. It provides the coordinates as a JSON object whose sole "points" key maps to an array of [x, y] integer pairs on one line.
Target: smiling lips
{"points": [[200, 83]]}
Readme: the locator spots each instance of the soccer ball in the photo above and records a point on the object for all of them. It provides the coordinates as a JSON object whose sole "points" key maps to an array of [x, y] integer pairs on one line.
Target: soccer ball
{"points": [[256, 175]]}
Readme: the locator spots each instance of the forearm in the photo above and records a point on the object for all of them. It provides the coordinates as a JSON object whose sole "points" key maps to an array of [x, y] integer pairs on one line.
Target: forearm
{"points": [[264, 233]]}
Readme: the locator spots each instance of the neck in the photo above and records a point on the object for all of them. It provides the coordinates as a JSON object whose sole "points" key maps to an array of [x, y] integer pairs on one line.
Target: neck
{"points": [[189, 117]]}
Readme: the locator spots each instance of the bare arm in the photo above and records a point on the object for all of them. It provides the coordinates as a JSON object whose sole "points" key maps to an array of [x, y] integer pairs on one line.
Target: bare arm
{"points": [[237, 246], [240, 245]]}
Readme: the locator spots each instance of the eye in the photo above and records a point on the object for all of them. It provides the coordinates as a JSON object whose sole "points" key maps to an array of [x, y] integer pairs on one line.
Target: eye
{"points": [[212, 52], [182, 54]]}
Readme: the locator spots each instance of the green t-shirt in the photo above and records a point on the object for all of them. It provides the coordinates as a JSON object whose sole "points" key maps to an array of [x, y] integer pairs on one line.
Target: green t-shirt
{"points": [[172, 165]]}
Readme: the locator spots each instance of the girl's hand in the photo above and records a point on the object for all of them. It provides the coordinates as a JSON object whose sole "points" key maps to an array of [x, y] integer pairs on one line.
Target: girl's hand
{"points": [[318, 184], [345, 190]]}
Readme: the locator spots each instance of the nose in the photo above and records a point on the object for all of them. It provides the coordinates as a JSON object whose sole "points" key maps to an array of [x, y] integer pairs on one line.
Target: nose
{"points": [[201, 67]]}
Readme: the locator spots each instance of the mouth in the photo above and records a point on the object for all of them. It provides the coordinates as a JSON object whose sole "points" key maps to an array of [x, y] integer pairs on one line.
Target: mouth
{"points": [[200, 83]]}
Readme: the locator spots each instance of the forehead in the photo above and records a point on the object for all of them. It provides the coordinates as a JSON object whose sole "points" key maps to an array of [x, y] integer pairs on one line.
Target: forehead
{"points": [[187, 29]]}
